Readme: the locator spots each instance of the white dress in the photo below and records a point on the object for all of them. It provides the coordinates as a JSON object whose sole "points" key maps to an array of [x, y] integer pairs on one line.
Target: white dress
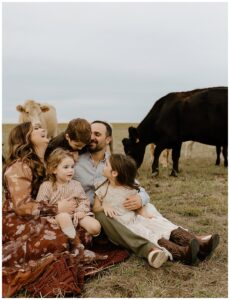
{"points": [[151, 229]]}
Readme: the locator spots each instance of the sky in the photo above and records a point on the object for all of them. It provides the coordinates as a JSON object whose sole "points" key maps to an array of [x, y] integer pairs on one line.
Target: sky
{"points": [[109, 61]]}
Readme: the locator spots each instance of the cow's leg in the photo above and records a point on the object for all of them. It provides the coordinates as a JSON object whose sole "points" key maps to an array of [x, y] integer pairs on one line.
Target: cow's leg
{"points": [[225, 155], [175, 158], [155, 165], [218, 150]]}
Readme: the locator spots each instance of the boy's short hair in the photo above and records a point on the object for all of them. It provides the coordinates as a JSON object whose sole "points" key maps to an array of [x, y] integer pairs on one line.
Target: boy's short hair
{"points": [[79, 130]]}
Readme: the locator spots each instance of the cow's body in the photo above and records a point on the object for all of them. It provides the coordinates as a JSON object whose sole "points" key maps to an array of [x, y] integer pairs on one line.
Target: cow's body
{"points": [[198, 115], [39, 113]]}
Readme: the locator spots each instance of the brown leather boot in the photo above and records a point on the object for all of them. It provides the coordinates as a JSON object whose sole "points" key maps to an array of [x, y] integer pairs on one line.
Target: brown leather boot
{"points": [[207, 246], [185, 254]]}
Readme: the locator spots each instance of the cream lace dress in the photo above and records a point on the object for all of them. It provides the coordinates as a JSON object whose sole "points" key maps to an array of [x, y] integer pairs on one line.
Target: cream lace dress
{"points": [[151, 229]]}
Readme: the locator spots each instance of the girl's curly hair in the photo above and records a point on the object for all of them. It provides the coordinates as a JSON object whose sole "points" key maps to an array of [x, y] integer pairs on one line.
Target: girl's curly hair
{"points": [[55, 158]]}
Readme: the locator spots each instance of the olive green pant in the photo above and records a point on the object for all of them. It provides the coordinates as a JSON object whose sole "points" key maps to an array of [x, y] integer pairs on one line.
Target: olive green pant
{"points": [[122, 236]]}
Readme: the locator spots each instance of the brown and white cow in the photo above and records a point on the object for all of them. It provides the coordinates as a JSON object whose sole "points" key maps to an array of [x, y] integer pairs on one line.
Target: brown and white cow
{"points": [[39, 113]]}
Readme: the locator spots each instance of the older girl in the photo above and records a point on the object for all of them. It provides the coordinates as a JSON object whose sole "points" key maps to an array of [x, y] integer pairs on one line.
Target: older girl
{"points": [[179, 244]]}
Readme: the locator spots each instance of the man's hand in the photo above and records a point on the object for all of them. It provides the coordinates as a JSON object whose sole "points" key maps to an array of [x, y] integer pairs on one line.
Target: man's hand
{"points": [[133, 202]]}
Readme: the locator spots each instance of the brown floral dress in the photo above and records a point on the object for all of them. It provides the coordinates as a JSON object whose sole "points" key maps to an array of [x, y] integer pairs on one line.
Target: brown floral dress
{"points": [[36, 254], [29, 240]]}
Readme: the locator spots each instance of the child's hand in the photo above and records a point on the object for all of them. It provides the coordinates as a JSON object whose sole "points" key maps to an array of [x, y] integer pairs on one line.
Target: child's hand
{"points": [[75, 219], [80, 214], [109, 211]]}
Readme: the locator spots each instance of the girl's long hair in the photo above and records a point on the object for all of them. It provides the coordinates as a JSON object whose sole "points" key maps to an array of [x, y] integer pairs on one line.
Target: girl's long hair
{"points": [[21, 147], [126, 168]]}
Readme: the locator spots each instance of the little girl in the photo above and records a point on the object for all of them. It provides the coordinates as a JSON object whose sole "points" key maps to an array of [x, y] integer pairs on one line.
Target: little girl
{"points": [[59, 170], [169, 239]]}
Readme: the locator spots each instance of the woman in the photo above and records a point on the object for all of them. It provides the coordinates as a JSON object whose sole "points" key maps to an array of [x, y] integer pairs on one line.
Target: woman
{"points": [[30, 243]]}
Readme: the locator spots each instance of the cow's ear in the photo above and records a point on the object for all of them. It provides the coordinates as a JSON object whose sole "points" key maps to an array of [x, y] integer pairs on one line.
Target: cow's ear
{"points": [[133, 134], [20, 108], [44, 108]]}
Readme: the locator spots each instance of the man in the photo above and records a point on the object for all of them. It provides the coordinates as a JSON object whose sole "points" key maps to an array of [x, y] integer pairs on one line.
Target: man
{"points": [[91, 163], [89, 171]]}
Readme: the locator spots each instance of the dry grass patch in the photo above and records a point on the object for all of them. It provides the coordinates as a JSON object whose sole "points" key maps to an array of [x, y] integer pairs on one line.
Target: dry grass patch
{"points": [[197, 200]]}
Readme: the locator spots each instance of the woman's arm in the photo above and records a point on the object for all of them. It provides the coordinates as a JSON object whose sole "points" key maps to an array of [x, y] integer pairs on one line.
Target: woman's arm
{"points": [[19, 184]]}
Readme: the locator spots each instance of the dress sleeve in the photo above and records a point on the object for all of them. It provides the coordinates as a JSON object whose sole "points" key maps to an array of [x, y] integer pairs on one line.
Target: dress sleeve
{"points": [[100, 192], [44, 192], [83, 203], [19, 184]]}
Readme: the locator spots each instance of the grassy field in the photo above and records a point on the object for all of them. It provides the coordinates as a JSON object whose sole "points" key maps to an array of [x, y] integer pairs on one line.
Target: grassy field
{"points": [[196, 200]]}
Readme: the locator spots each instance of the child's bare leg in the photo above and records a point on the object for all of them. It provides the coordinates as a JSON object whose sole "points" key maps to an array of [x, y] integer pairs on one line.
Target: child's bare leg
{"points": [[144, 212], [91, 225], [64, 220]]}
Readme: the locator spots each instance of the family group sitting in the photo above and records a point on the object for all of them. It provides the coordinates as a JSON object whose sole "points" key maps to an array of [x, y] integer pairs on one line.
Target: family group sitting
{"points": [[64, 195]]}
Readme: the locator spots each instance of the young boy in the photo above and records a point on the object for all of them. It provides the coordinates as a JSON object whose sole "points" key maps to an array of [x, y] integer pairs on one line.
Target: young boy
{"points": [[74, 138]]}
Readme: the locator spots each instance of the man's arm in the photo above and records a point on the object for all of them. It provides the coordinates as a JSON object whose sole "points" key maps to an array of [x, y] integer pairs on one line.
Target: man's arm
{"points": [[134, 202], [144, 196]]}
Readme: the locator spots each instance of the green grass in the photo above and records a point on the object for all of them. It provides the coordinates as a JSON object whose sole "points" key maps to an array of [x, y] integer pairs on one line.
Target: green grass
{"points": [[197, 200]]}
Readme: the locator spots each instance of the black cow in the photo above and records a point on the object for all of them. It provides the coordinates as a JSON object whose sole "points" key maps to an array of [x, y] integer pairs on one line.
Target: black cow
{"points": [[199, 115], [225, 155]]}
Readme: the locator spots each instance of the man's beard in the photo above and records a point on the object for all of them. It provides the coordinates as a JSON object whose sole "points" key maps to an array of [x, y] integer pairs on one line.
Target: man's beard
{"points": [[95, 149]]}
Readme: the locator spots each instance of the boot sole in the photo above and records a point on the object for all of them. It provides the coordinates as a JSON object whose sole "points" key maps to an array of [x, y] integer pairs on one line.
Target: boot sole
{"points": [[157, 258], [194, 246], [215, 242]]}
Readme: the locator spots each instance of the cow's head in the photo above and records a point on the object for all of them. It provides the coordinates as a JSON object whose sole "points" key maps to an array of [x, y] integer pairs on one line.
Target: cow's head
{"points": [[134, 147], [31, 111]]}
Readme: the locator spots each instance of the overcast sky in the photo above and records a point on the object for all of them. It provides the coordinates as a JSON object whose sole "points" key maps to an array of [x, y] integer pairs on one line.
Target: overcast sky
{"points": [[109, 61]]}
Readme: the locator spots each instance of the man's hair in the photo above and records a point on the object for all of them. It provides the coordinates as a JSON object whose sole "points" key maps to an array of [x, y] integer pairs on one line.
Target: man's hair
{"points": [[79, 130], [109, 130]]}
